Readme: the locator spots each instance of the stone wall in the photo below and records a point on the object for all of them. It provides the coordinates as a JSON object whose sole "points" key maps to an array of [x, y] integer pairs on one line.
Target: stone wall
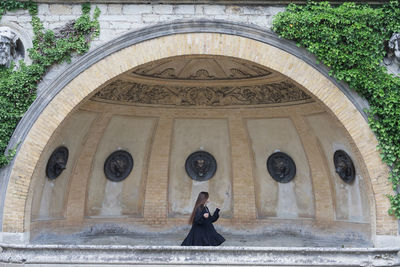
{"points": [[117, 19]]}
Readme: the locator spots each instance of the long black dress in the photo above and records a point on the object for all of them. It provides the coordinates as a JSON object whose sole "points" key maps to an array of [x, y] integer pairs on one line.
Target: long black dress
{"points": [[203, 232]]}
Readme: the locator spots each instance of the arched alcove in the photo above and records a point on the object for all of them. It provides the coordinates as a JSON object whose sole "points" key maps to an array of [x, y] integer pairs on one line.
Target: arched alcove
{"points": [[324, 107]]}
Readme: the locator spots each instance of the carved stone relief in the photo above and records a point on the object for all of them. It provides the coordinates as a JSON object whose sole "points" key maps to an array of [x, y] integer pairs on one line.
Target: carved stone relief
{"points": [[278, 92], [118, 165], [201, 68], [281, 167], [11, 47], [344, 166], [392, 59], [201, 166], [57, 162]]}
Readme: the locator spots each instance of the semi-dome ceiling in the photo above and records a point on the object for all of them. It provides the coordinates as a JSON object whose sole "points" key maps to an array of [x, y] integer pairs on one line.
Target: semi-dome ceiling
{"points": [[202, 81], [202, 68]]}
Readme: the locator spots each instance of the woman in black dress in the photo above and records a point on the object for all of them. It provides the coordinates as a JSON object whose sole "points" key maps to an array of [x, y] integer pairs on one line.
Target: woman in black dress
{"points": [[203, 232]]}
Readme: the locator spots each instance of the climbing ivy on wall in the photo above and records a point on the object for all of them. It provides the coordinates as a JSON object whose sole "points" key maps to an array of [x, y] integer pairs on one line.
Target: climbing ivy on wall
{"points": [[18, 85], [350, 39]]}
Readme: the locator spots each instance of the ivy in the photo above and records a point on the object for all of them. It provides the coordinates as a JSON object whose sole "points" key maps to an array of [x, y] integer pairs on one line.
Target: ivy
{"points": [[11, 5], [350, 39], [18, 85]]}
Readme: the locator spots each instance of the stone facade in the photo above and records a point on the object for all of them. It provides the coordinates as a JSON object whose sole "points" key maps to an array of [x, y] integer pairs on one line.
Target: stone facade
{"points": [[117, 21]]}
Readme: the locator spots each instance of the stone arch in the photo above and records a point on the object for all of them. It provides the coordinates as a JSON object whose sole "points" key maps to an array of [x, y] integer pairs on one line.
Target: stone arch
{"points": [[82, 78]]}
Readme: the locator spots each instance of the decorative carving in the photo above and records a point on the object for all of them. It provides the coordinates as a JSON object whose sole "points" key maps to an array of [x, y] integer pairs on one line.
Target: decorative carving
{"points": [[281, 167], [202, 74], [344, 166], [201, 68], [278, 92], [11, 47], [118, 165], [201, 166], [167, 73], [236, 73], [392, 59], [57, 162]]}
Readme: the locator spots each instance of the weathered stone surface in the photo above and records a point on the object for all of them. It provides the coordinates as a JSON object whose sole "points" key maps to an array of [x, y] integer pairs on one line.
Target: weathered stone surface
{"points": [[216, 256]]}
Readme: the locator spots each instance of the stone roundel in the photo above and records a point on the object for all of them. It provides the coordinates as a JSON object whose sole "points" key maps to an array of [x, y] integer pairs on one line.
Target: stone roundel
{"points": [[281, 167], [344, 166], [201, 166], [57, 162], [118, 165]]}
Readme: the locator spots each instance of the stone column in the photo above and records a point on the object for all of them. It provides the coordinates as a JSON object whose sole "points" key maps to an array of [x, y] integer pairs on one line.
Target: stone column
{"points": [[156, 196], [77, 191], [324, 209], [244, 204]]}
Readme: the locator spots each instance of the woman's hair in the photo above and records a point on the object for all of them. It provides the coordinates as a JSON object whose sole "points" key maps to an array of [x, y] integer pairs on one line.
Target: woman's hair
{"points": [[201, 200]]}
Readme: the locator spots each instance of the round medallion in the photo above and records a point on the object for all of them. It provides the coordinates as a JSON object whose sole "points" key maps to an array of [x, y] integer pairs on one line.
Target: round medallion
{"points": [[57, 162], [118, 165], [201, 166], [281, 167], [344, 166]]}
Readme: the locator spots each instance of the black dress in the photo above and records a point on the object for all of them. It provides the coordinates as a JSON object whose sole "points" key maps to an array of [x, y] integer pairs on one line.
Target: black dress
{"points": [[203, 232]]}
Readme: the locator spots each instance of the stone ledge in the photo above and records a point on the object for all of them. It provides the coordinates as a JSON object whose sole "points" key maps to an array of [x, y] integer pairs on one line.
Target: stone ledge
{"points": [[176, 255], [229, 2]]}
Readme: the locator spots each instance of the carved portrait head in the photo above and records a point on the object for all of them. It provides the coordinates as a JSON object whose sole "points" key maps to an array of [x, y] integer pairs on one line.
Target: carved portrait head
{"points": [[57, 162], [394, 45], [281, 167], [8, 44], [118, 165], [201, 166], [344, 166], [392, 59]]}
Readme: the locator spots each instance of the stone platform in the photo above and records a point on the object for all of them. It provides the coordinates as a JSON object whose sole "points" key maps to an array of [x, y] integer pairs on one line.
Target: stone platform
{"points": [[162, 249], [175, 238], [98, 255]]}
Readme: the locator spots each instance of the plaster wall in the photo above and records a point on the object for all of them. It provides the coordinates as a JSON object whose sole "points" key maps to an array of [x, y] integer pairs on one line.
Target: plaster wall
{"points": [[142, 132], [109, 198], [351, 200], [50, 200], [283, 200], [190, 135]]}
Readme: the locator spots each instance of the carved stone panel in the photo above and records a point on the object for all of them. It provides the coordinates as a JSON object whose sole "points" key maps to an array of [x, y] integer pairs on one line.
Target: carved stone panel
{"points": [[281, 167], [57, 162], [272, 93], [201, 68], [118, 165], [11, 47], [392, 59], [344, 166], [201, 166]]}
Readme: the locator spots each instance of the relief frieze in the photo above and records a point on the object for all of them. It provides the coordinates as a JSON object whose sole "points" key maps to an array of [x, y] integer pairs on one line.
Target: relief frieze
{"points": [[139, 93]]}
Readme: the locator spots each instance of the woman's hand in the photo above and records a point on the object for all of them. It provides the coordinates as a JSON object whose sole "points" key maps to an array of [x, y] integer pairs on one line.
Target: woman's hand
{"points": [[206, 215]]}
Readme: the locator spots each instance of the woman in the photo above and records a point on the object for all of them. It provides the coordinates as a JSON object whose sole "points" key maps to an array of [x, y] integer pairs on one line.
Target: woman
{"points": [[203, 232]]}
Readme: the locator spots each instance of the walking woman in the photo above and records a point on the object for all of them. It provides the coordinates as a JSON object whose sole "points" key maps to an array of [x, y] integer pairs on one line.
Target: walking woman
{"points": [[202, 232]]}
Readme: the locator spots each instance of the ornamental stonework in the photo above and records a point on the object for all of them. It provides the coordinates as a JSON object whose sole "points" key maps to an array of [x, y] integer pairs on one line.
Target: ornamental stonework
{"points": [[201, 68], [140, 93]]}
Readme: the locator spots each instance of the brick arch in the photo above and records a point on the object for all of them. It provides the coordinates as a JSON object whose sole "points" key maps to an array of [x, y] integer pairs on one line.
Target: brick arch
{"points": [[83, 85]]}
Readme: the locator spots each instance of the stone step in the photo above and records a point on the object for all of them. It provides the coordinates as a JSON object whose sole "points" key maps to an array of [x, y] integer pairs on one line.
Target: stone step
{"points": [[96, 255]]}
